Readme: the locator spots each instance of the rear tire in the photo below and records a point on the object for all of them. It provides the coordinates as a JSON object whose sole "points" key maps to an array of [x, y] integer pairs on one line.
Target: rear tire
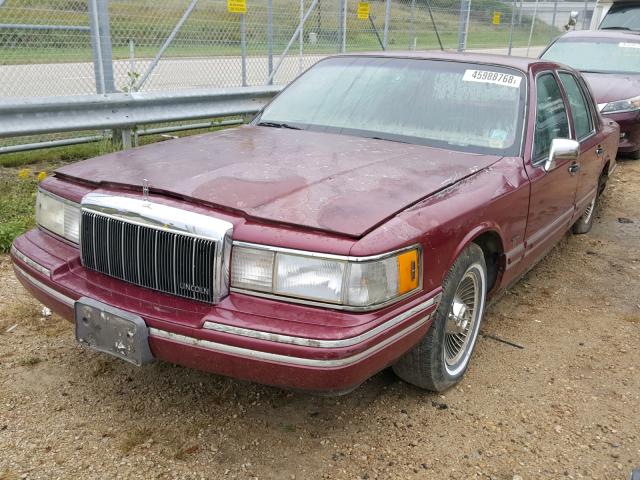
{"points": [[635, 155], [441, 358]]}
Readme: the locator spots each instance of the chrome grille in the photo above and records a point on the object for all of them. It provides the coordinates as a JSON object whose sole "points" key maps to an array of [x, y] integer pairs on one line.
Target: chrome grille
{"points": [[166, 261]]}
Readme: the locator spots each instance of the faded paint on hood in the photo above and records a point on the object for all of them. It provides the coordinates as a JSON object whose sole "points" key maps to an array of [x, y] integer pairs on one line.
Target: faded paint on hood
{"points": [[611, 87], [336, 183]]}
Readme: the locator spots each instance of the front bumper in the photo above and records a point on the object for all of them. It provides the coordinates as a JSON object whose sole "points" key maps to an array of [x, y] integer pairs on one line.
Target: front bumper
{"points": [[629, 130], [261, 340]]}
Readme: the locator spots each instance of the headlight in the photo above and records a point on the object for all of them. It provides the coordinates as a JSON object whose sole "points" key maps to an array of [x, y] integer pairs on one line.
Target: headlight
{"points": [[352, 282], [58, 215], [629, 105]]}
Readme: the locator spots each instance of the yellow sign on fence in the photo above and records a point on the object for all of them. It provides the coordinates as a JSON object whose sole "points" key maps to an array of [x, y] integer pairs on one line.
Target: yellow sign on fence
{"points": [[363, 10], [497, 18], [237, 6]]}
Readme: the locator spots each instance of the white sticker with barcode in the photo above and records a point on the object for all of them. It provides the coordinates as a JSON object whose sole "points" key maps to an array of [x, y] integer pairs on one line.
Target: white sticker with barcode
{"points": [[497, 78], [629, 45]]}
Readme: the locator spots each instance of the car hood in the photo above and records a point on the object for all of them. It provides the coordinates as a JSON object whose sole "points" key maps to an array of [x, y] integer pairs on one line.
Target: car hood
{"points": [[330, 182], [610, 87]]}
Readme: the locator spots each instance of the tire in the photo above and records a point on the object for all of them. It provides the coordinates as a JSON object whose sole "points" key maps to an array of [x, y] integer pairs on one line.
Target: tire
{"points": [[585, 222], [438, 361], [635, 155]]}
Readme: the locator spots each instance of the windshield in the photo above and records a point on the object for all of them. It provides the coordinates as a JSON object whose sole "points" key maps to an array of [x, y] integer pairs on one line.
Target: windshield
{"points": [[597, 55], [459, 106], [623, 17]]}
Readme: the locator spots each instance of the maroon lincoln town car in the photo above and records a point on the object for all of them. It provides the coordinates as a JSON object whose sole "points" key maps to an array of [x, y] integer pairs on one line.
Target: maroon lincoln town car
{"points": [[610, 62], [361, 221]]}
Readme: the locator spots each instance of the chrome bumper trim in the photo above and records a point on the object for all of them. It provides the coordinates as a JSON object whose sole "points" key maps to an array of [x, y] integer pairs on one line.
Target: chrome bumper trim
{"points": [[32, 263], [275, 357], [68, 301], [313, 342]]}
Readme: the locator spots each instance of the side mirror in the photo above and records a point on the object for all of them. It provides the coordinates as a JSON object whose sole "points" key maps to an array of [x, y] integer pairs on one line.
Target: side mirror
{"points": [[561, 149], [573, 19]]}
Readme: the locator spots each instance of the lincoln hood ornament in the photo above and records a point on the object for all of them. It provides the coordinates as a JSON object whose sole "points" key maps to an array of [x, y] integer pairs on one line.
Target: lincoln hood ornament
{"points": [[145, 190]]}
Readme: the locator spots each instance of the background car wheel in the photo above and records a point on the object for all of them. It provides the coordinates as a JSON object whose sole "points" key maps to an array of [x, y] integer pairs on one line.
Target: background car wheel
{"points": [[585, 222], [635, 155], [442, 356]]}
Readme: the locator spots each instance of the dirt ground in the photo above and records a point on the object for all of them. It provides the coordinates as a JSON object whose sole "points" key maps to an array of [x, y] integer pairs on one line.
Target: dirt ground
{"points": [[567, 405]]}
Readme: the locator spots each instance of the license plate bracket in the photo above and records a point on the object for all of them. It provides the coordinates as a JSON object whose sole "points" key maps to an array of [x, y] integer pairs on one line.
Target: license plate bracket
{"points": [[112, 331]]}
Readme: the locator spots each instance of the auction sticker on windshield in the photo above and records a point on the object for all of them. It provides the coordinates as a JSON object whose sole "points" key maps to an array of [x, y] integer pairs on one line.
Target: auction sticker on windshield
{"points": [[629, 45], [497, 78]]}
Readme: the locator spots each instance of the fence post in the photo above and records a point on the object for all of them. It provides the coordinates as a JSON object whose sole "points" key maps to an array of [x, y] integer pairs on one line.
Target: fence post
{"points": [[270, 38], [301, 36], [412, 39], [520, 8], [533, 23], [555, 13], [243, 48], [584, 17], [513, 24], [94, 27], [463, 26], [387, 14], [105, 45], [342, 27], [103, 61]]}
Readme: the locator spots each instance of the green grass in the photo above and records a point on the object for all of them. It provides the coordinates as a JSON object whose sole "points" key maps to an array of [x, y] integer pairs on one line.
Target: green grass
{"points": [[20, 174], [16, 205], [19, 177], [65, 154], [211, 31]]}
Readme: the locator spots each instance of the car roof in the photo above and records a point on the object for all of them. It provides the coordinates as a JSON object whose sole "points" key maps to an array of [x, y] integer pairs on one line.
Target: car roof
{"points": [[611, 34], [519, 63]]}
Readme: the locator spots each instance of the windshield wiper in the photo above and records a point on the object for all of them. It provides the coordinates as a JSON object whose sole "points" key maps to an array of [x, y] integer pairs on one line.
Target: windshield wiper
{"points": [[615, 28], [278, 125], [387, 139]]}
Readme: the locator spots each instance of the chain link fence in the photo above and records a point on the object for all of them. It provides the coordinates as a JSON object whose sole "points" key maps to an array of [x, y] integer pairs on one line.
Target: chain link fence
{"points": [[69, 47]]}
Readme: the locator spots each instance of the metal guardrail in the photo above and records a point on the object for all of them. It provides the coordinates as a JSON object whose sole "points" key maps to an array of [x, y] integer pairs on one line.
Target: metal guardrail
{"points": [[34, 116]]}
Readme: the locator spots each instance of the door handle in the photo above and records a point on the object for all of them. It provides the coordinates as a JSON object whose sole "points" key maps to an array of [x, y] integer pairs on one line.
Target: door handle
{"points": [[599, 151], [574, 168]]}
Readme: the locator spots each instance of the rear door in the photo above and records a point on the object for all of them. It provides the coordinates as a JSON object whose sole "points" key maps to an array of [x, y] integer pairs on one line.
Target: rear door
{"points": [[552, 201], [584, 130]]}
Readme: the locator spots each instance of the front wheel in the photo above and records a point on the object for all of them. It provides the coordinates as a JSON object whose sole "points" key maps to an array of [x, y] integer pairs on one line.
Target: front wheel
{"points": [[441, 358]]}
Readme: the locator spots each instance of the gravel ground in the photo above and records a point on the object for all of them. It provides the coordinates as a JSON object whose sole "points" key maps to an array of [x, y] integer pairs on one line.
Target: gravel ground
{"points": [[567, 405]]}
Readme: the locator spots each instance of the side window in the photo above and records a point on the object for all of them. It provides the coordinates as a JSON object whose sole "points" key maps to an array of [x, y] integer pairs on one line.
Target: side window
{"points": [[579, 107], [551, 116]]}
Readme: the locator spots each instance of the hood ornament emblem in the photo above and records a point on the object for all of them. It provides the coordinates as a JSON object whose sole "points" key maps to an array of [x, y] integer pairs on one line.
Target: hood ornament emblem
{"points": [[145, 190]]}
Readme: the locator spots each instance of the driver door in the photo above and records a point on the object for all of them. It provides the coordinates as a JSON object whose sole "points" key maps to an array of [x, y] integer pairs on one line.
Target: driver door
{"points": [[553, 193]]}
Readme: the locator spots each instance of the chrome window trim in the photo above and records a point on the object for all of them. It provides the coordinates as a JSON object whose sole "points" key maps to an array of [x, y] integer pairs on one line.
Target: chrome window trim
{"points": [[329, 256], [539, 162], [32, 263], [317, 343], [165, 218], [584, 99], [525, 112], [68, 301], [285, 359]]}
